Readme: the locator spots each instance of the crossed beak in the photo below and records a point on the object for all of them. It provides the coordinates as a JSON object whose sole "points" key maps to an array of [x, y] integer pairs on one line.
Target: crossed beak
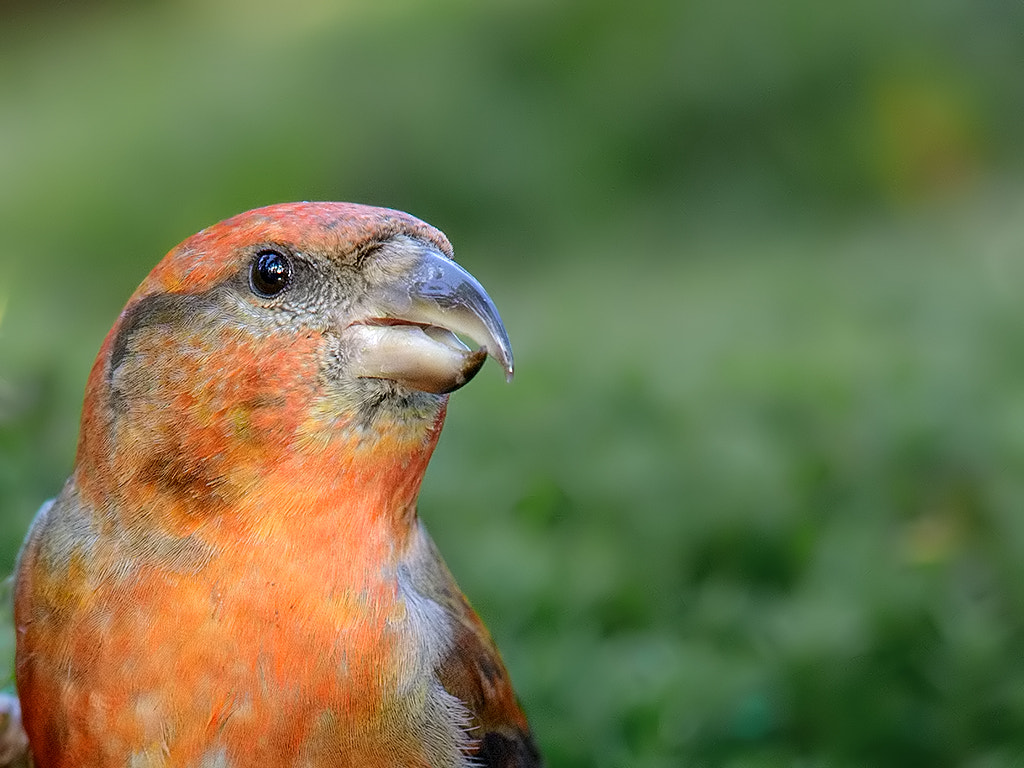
{"points": [[410, 336]]}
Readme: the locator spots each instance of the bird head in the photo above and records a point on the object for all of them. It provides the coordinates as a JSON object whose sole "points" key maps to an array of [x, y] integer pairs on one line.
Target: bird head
{"points": [[305, 334]]}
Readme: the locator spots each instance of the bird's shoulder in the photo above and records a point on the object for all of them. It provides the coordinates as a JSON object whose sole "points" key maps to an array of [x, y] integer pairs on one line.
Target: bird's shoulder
{"points": [[472, 671]]}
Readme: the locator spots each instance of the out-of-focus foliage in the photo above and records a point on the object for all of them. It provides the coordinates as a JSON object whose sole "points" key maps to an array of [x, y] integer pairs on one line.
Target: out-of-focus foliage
{"points": [[755, 497]]}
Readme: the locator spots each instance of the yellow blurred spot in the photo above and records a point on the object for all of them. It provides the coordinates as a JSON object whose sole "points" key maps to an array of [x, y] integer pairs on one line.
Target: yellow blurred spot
{"points": [[932, 539], [926, 134]]}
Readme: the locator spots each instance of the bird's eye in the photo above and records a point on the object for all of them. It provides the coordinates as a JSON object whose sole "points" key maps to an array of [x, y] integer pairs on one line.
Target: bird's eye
{"points": [[271, 272]]}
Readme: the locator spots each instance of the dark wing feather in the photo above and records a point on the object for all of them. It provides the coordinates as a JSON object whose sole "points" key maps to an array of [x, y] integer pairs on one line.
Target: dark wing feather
{"points": [[473, 672]]}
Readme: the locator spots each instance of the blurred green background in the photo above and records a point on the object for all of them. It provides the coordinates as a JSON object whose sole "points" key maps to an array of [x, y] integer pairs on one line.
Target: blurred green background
{"points": [[755, 496]]}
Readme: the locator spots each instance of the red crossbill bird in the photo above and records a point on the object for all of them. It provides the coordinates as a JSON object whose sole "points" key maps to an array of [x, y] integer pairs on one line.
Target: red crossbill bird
{"points": [[235, 574]]}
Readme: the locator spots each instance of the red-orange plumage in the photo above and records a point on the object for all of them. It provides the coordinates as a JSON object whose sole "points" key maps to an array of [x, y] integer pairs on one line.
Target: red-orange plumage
{"points": [[234, 574]]}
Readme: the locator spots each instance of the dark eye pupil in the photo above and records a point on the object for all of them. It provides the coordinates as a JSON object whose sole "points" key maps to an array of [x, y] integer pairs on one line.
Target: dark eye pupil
{"points": [[271, 272]]}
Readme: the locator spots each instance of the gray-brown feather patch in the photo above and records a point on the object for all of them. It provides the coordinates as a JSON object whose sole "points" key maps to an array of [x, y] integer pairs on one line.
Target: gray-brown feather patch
{"points": [[172, 309]]}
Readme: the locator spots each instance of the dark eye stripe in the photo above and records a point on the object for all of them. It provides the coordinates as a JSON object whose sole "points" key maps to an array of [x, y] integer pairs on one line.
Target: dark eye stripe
{"points": [[159, 309]]}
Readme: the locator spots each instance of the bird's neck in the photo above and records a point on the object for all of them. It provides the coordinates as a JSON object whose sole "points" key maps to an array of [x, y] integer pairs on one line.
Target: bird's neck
{"points": [[277, 464], [355, 486]]}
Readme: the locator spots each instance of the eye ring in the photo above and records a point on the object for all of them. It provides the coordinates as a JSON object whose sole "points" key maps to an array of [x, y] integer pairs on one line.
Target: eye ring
{"points": [[270, 273]]}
